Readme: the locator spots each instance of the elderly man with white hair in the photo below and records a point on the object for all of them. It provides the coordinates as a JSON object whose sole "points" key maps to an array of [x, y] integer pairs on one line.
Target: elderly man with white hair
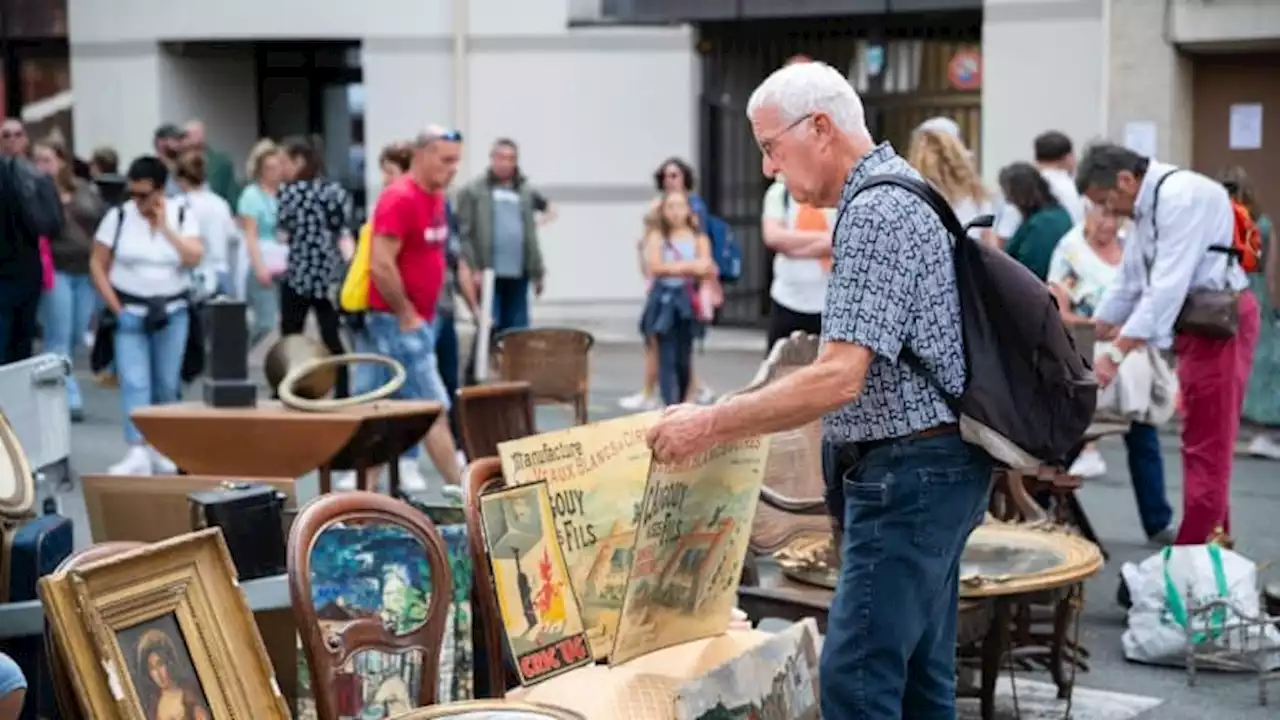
{"points": [[902, 486]]}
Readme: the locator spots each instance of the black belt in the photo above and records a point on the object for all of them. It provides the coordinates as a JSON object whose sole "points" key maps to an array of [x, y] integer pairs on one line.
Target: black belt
{"points": [[867, 446]]}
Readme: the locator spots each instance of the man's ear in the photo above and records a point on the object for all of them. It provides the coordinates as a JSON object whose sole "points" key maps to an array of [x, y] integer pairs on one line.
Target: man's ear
{"points": [[1126, 181]]}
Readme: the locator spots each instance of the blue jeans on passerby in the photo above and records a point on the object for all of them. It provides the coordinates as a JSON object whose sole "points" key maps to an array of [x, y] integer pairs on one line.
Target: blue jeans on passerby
{"points": [[447, 362], [909, 506], [416, 351], [675, 361], [65, 314], [149, 364], [1146, 471], [510, 304]]}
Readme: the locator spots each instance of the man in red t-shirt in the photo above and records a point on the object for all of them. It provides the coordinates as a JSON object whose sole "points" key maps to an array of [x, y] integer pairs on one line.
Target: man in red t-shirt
{"points": [[407, 273]]}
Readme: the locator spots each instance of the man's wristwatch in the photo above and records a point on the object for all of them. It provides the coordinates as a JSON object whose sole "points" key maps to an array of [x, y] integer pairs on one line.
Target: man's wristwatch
{"points": [[1116, 354]]}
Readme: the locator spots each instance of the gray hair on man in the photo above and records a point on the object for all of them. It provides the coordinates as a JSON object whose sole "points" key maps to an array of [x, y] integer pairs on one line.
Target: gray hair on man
{"points": [[803, 89]]}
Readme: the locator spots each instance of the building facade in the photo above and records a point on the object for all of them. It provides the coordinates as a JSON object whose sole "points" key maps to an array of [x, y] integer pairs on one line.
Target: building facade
{"points": [[598, 92], [594, 108]]}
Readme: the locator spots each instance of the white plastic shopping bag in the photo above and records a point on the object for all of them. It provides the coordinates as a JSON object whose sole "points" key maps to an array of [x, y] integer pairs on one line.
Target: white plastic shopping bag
{"points": [[1167, 587]]}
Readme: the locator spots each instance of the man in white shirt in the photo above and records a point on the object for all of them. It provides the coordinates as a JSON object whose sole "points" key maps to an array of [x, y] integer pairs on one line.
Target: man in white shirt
{"points": [[1183, 229], [1056, 160], [801, 237]]}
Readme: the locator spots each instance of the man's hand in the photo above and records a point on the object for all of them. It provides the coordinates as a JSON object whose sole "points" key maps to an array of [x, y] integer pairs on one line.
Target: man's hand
{"points": [[1104, 368], [262, 276], [683, 431], [410, 322], [1105, 331], [538, 286], [153, 211]]}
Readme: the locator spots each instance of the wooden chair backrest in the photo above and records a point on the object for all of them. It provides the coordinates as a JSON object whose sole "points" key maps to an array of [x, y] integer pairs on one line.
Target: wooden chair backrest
{"points": [[556, 362], [494, 413], [485, 475], [329, 646]]}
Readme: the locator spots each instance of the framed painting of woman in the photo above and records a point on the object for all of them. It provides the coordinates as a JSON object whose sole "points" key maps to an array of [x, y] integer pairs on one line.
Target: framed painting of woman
{"points": [[162, 633]]}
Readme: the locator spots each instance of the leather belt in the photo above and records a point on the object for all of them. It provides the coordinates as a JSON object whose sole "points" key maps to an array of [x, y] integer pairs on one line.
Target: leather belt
{"points": [[935, 431]]}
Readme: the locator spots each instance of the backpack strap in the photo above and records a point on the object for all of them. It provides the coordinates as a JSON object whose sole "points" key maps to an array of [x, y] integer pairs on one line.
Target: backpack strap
{"points": [[961, 240], [115, 240], [1149, 261]]}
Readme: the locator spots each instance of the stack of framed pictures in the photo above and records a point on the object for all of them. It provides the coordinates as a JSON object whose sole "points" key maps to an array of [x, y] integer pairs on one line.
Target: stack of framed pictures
{"points": [[162, 632]]}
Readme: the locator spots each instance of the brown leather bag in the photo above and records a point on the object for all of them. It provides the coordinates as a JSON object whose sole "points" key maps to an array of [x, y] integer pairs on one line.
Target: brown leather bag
{"points": [[1211, 314]]}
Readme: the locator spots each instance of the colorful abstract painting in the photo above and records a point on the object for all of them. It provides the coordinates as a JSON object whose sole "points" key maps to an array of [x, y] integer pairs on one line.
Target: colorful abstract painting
{"points": [[381, 571]]}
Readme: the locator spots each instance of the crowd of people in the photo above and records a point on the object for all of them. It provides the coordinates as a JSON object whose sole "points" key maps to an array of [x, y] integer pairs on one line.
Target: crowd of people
{"points": [[121, 264]]}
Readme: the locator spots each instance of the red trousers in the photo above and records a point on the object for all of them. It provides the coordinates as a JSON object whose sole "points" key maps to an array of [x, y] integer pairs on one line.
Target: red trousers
{"points": [[1213, 375]]}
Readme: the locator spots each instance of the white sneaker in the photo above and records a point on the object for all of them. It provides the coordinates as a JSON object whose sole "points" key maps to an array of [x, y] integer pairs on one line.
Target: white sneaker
{"points": [[160, 464], [344, 480], [452, 493], [638, 402], [706, 396], [1264, 447], [411, 479], [136, 462], [1089, 464]]}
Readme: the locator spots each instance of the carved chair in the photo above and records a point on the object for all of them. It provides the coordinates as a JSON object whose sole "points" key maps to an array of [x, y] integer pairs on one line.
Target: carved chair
{"points": [[485, 475], [63, 689], [370, 584], [494, 413], [554, 361]]}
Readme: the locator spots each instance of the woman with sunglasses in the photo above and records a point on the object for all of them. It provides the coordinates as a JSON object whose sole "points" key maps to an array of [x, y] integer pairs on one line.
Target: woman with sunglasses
{"points": [[142, 257]]}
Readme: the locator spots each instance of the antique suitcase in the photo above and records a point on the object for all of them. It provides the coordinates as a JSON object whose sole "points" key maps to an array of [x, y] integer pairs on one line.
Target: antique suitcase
{"points": [[31, 546], [252, 520], [154, 508]]}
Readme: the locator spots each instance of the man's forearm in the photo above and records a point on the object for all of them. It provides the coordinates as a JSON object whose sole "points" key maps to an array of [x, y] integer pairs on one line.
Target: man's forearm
{"points": [[1127, 345], [795, 400], [391, 288]]}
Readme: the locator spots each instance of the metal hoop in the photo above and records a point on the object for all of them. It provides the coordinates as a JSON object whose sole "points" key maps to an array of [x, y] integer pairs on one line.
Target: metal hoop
{"points": [[290, 399]]}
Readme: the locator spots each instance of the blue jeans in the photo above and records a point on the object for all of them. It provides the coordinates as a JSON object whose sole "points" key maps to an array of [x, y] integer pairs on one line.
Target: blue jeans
{"points": [[416, 351], [510, 304], [65, 313], [149, 365], [909, 506], [675, 361], [1146, 471]]}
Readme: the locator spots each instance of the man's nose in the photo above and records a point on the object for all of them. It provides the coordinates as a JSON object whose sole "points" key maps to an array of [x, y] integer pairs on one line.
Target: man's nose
{"points": [[767, 165]]}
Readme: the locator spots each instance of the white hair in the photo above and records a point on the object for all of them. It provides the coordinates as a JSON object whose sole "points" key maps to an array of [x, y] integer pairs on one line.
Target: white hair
{"points": [[811, 87]]}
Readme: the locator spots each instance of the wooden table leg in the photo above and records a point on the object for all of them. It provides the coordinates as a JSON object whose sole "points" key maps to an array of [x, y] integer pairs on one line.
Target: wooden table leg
{"points": [[326, 479], [393, 478], [993, 648]]}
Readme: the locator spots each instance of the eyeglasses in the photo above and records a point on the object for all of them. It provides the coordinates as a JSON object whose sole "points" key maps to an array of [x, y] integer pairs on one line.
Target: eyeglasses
{"points": [[140, 195], [766, 146]]}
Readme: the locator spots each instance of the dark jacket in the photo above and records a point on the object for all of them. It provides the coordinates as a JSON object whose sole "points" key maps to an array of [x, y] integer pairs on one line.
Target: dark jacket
{"points": [[29, 208]]}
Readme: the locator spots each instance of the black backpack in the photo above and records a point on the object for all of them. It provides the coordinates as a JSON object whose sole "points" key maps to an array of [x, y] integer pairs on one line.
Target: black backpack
{"points": [[1027, 388]]}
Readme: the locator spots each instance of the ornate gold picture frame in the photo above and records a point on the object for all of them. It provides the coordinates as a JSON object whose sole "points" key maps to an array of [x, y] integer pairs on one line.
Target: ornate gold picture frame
{"points": [[163, 631]]}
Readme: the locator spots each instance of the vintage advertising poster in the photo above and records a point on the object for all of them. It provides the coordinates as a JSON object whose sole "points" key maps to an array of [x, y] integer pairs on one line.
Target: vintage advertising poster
{"points": [[775, 680], [539, 609], [690, 544], [596, 476]]}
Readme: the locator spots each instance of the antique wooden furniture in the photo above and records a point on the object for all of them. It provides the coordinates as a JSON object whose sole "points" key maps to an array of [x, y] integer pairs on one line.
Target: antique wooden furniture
{"points": [[785, 357], [554, 361], [405, 548], [494, 413], [64, 694], [273, 441], [484, 475]]}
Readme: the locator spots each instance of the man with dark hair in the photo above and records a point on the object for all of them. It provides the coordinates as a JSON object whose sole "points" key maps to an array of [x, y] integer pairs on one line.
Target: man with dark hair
{"points": [[29, 209], [1055, 159], [167, 141], [1183, 229], [498, 218], [14, 140]]}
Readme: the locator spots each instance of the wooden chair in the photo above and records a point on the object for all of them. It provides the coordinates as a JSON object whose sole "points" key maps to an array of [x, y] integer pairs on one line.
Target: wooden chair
{"points": [[64, 694], [356, 628], [484, 475], [492, 414], [554, 361]]}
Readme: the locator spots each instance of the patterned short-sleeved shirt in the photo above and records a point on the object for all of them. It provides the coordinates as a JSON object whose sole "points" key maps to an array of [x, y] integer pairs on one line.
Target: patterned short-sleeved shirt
{"points": [[893, 288], [313, 213]]}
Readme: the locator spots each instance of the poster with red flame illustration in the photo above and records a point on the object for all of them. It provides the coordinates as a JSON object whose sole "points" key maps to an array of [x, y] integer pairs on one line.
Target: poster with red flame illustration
{"points": [[538, 606]]}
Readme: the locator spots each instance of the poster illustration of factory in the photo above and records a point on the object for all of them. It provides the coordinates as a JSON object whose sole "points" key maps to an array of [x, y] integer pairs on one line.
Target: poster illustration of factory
{"points": [[690, 544], [774, 680], [538, 606], [595, 475]]}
